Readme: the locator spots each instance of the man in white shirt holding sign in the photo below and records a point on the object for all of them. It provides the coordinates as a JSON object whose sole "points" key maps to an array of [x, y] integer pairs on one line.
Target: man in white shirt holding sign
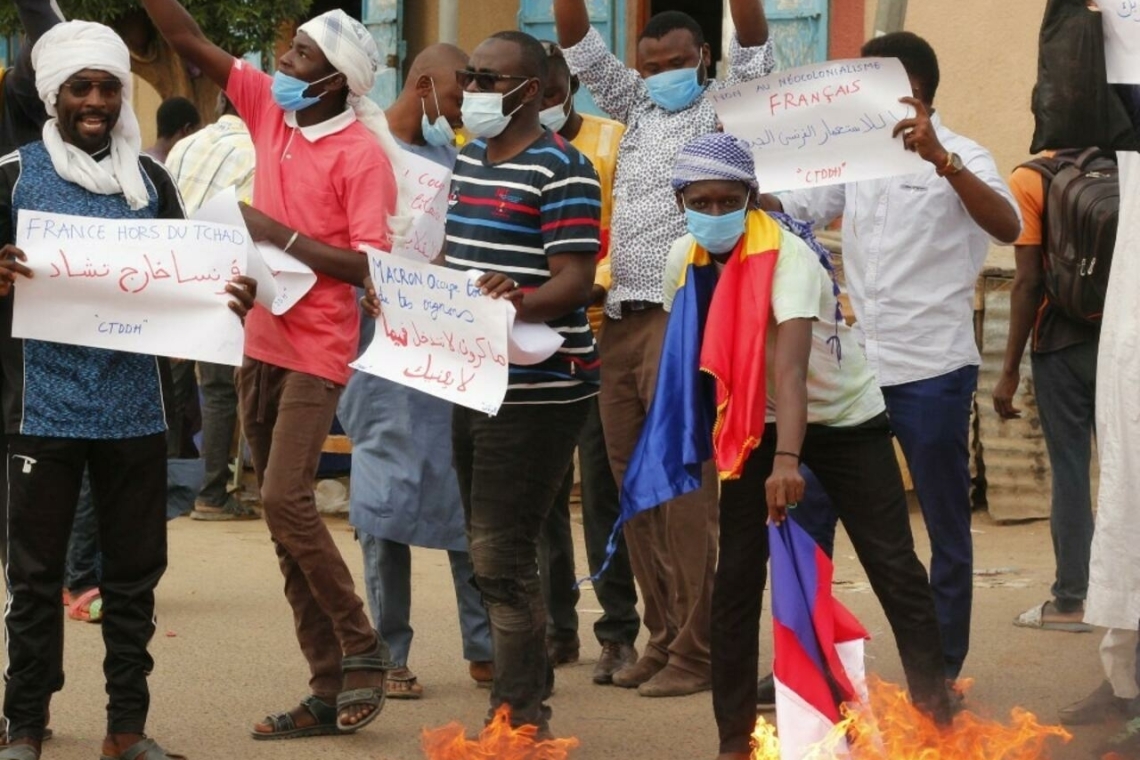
{"points": [[912, 248]]}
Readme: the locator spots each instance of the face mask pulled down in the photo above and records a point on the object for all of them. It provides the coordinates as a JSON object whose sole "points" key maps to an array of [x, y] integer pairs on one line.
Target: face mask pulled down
{"points": [[437, 133]]}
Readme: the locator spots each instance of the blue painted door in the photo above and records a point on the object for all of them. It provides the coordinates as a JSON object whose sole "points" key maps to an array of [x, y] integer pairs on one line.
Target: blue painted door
{"points": [[799, 31], [384, 19], [536, 18]]}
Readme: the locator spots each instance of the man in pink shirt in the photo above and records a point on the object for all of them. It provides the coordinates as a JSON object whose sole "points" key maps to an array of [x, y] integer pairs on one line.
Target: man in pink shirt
{"points": [[323, 188]]}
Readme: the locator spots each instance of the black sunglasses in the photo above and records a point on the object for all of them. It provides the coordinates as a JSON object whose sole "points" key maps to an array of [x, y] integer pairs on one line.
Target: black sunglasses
{"points": [[81, 88], [551, 48], [484, 80]]}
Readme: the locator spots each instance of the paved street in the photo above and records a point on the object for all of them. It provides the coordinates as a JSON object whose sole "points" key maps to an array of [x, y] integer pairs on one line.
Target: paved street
{"points": [[226, 655]]}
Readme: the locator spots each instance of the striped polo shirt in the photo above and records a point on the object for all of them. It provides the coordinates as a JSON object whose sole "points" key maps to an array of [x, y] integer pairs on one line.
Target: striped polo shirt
{"points": [[510, 217]]}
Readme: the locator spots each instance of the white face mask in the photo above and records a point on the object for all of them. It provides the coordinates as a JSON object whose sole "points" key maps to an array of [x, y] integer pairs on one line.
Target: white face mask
{"points": [[554, 118], [438, 132], [483, 112]]}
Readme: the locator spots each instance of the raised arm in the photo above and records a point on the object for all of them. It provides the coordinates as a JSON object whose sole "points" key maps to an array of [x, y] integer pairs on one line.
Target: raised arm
{"points": [[572, 20], [37, 16], [184, 35], [750, 21], [615, 88]]}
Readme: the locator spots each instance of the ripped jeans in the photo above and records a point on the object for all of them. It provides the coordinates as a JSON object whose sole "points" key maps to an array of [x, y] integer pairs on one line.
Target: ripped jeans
{"points": [[510, 469]]}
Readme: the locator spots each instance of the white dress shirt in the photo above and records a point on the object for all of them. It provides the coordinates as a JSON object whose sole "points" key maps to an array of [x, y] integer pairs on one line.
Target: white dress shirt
{"points": [[911, 258]]}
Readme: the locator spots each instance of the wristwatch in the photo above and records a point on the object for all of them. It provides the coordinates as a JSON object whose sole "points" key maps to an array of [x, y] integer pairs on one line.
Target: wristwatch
{"points": [[953, 165]]}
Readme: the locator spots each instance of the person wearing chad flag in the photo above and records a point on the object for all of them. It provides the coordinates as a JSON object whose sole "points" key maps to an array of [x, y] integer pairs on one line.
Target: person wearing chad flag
{"points": [[791, 385]]}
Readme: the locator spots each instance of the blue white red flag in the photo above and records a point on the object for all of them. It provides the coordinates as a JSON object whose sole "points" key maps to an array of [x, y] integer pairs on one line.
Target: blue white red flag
{"points": [[818, 642]]}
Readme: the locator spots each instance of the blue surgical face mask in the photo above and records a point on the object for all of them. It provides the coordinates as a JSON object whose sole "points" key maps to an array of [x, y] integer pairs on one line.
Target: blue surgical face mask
{"points": [[483, 112], [674, 90], [716, 234], [439, 132], [289, 92]]}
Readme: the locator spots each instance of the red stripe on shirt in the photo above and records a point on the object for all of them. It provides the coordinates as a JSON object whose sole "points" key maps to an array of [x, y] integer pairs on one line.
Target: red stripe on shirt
{"points": [[522, 209], [582, 221]]}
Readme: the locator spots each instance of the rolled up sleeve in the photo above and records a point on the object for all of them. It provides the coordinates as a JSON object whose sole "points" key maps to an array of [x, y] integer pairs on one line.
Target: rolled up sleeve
{"points": [[615, 88]]}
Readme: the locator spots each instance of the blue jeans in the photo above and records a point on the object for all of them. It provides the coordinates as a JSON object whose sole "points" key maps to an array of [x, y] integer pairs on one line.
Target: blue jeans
{"points": [[931, 420], [388, 585], [1065, 383], [84, 563]]}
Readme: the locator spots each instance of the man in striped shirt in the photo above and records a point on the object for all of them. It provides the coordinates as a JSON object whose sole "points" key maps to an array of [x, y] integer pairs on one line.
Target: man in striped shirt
{"points": [[524, 209]]}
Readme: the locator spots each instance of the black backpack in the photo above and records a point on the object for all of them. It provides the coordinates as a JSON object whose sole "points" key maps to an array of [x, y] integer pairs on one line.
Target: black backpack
{"points": [[1082, 203]]}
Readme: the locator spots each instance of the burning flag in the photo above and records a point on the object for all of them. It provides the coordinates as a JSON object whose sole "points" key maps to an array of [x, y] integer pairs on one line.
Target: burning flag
{"points": [[818, 643], [497, 741]]}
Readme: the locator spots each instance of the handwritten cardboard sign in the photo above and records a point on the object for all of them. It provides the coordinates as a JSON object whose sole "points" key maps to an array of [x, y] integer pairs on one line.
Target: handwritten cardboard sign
{"points": [[437, 333], [428, 184], [1121, 39], [141, 286], [282, 280], [824, 124]]}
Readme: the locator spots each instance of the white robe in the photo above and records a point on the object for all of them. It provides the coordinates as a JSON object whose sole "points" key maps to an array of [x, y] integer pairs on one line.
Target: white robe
{"points": [[1114, 571]]}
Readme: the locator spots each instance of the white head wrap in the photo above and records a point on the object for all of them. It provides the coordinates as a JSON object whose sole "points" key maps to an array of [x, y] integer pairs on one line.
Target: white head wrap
{"points": [[352, 51], [65, 49]]}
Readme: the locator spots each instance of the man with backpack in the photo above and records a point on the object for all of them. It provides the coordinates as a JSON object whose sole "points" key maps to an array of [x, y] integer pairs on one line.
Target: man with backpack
{"points": [[1069, 204]]}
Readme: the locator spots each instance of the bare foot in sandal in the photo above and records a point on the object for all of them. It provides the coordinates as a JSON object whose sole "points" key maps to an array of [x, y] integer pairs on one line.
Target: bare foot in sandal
{"points": [[361, 713], [313, 717], [403, 684]]}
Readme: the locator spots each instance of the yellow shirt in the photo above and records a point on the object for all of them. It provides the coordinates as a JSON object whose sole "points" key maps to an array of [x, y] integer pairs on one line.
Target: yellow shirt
{"points": [[598, 140]]}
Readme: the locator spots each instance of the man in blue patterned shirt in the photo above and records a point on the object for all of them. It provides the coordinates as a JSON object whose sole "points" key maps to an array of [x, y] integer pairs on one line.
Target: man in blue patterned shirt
{"points": [[67, 408], [662, 103]]}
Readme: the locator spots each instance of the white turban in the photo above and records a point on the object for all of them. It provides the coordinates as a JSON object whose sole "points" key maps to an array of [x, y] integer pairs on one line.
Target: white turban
{"points": [[68, 48], [352, 51]]}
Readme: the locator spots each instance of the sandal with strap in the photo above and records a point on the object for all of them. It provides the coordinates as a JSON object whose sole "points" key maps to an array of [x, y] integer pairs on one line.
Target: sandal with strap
{"points": [[402, 683], [87, 607], [372, 696], [285, 725], [145, 749]]}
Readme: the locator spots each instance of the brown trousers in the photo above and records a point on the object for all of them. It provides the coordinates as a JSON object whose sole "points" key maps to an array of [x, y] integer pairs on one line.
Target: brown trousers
{"points": [[672, 549], [286, 416]]}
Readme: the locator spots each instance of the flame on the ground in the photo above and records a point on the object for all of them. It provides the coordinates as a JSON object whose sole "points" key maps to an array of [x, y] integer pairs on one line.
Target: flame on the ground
{"points": [[889, 727], [497, 741]]}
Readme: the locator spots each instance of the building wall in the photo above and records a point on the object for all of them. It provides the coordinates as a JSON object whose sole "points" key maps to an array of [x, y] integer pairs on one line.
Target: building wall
{"points": [[988, 63], [477, 22]]}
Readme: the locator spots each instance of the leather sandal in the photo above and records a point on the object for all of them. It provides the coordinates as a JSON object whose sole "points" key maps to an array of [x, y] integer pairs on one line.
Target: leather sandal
{"points": [[285, 725], [402, 683], [373, 696]]}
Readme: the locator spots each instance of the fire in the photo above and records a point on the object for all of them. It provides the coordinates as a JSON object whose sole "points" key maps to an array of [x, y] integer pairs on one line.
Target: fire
{"points": [[497, 741], [889, 727]]}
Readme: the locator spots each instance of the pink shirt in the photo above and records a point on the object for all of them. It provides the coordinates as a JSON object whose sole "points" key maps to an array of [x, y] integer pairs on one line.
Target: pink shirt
{"points": [[331, 182]]}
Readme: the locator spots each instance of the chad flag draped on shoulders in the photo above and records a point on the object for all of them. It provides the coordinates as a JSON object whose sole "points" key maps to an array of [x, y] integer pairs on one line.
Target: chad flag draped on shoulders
{"points": [[710, 397]]}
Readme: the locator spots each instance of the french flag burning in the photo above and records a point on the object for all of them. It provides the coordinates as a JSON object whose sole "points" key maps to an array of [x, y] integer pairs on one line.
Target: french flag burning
{"points": [[818, 643]]}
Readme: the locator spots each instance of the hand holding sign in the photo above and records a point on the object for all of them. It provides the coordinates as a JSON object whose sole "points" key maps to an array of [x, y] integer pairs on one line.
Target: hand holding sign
{"points": [[151, 286], [11, 266]]}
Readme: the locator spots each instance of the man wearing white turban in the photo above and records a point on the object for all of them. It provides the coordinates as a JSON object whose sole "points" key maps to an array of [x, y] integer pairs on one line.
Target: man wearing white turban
{"points": [[324, 187], [70, 408]]}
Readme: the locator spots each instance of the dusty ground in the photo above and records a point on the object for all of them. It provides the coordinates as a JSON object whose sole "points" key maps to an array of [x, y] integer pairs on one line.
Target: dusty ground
{"points": [[226, 655]]}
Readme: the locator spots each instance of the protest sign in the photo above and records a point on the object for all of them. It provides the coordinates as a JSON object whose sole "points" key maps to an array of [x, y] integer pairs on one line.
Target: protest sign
{"points": [[1121, 39], [823, 124], [282, 280], [427, 183], [147, 286], [437, 333]]}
